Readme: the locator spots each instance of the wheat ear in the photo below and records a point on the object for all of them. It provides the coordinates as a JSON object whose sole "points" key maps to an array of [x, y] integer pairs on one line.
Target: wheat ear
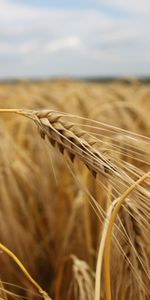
{"points": [[69, 139]]}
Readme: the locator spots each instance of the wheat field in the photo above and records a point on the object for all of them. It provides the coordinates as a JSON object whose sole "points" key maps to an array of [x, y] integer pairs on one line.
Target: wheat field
{"points": [[75, 190]]}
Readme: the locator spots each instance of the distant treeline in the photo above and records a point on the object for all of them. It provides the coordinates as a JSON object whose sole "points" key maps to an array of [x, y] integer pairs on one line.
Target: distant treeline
{"points": [[125, 80]]}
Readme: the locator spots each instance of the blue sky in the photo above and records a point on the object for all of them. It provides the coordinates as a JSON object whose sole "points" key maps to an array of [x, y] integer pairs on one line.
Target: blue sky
{"points": [[78, 4], [74, 38], [62, 3], [66, 4]]}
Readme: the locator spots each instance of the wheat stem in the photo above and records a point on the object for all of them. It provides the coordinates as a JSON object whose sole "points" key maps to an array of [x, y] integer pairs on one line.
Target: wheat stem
{"points": [[3, 294], [24, 270]]}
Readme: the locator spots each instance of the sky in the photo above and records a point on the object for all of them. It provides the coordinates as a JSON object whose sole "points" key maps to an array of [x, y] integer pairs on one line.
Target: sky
{"points": [[82, 38]]}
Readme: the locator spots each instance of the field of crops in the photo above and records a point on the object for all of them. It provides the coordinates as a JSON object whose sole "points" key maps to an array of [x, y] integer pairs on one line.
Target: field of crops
{"points": [[75, 190]]}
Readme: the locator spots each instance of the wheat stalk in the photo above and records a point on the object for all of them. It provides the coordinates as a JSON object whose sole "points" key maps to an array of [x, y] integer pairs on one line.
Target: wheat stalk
{"points": [[3, 294], [106, 238], [24, 270]]}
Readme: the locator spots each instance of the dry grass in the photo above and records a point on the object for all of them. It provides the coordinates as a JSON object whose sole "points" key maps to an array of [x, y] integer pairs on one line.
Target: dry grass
{"points": [[56, 194]]}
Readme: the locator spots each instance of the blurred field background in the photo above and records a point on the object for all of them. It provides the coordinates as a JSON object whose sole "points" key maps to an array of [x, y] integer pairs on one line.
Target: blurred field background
{"points": [[45, 215]]}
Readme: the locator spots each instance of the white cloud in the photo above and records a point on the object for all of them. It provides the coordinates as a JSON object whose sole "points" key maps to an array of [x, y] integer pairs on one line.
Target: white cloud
{"points": [[10, 49], [43, 42], [65, 43]]}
